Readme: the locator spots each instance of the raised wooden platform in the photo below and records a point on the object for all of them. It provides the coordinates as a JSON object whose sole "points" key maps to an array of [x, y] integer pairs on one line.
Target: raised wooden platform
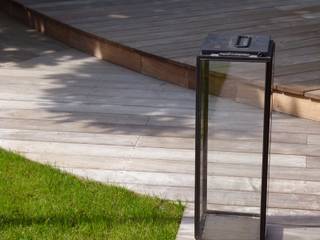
{"points": [[98, 120], [161, 38]]}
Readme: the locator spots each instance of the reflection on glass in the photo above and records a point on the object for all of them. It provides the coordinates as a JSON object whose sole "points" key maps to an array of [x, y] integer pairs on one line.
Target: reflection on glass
{"points": [[235, 130]]}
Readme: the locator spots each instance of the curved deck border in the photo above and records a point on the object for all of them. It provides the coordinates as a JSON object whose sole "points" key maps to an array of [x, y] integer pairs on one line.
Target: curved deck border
{"points": [[305, 106]]}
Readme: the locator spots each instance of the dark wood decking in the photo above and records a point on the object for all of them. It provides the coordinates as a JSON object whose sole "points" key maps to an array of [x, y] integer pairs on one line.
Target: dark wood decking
{"points": [[162, 38]]}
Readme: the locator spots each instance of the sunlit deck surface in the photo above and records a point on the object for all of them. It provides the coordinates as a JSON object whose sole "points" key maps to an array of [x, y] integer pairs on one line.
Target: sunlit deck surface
{"points": [[174, 29], [98, 120]]}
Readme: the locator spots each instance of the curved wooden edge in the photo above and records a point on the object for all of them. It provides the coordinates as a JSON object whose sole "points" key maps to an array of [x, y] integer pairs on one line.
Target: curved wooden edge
{"points": [[152, 65], [296, 105], [134, 59]]}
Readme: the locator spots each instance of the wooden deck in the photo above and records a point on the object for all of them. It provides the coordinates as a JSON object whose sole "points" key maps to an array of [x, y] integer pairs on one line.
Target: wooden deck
{"points": [[105, 122], [162, 38]]}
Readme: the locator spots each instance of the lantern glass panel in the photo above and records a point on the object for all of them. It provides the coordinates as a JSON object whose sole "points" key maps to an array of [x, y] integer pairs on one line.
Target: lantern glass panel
{"points": [[235, 140]]}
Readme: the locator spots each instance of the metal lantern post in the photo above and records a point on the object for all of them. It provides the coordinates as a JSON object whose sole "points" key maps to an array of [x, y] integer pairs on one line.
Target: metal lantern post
{"points": [[238, 49]]}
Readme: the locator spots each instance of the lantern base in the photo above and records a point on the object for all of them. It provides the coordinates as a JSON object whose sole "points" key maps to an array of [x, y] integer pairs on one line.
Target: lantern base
{"points": [[231, 227]]}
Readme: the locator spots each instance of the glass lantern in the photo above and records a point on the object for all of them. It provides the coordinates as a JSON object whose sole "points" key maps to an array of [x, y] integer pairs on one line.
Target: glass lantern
{"points": [[233, 118]]}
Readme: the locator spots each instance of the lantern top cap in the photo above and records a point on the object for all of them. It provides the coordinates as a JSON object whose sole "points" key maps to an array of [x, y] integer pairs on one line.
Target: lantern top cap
{"points": [[233, 46]]}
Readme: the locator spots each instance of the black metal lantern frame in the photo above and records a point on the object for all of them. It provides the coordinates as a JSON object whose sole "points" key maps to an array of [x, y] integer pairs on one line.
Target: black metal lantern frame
{"points": [[256, 49]]}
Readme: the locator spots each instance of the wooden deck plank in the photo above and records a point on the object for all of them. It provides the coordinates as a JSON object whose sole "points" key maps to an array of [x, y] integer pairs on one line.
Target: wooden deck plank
{"points": [[113, 125], [313, 94], [173, 166], [117, 21], [149, 153], [175, 33]]}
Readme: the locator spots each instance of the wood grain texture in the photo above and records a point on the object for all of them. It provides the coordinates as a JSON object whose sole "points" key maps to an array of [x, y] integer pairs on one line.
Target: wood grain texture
{"points": [[161, 39], [98, 120]]}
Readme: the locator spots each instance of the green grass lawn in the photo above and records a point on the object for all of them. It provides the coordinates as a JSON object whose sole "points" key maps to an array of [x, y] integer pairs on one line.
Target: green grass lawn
{"points": [[40, 202]]}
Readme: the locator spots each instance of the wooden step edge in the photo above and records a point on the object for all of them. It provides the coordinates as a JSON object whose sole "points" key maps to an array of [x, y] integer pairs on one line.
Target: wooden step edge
{"points": [[293, 104], [300, 106], [143, 62], [182, 74]]}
